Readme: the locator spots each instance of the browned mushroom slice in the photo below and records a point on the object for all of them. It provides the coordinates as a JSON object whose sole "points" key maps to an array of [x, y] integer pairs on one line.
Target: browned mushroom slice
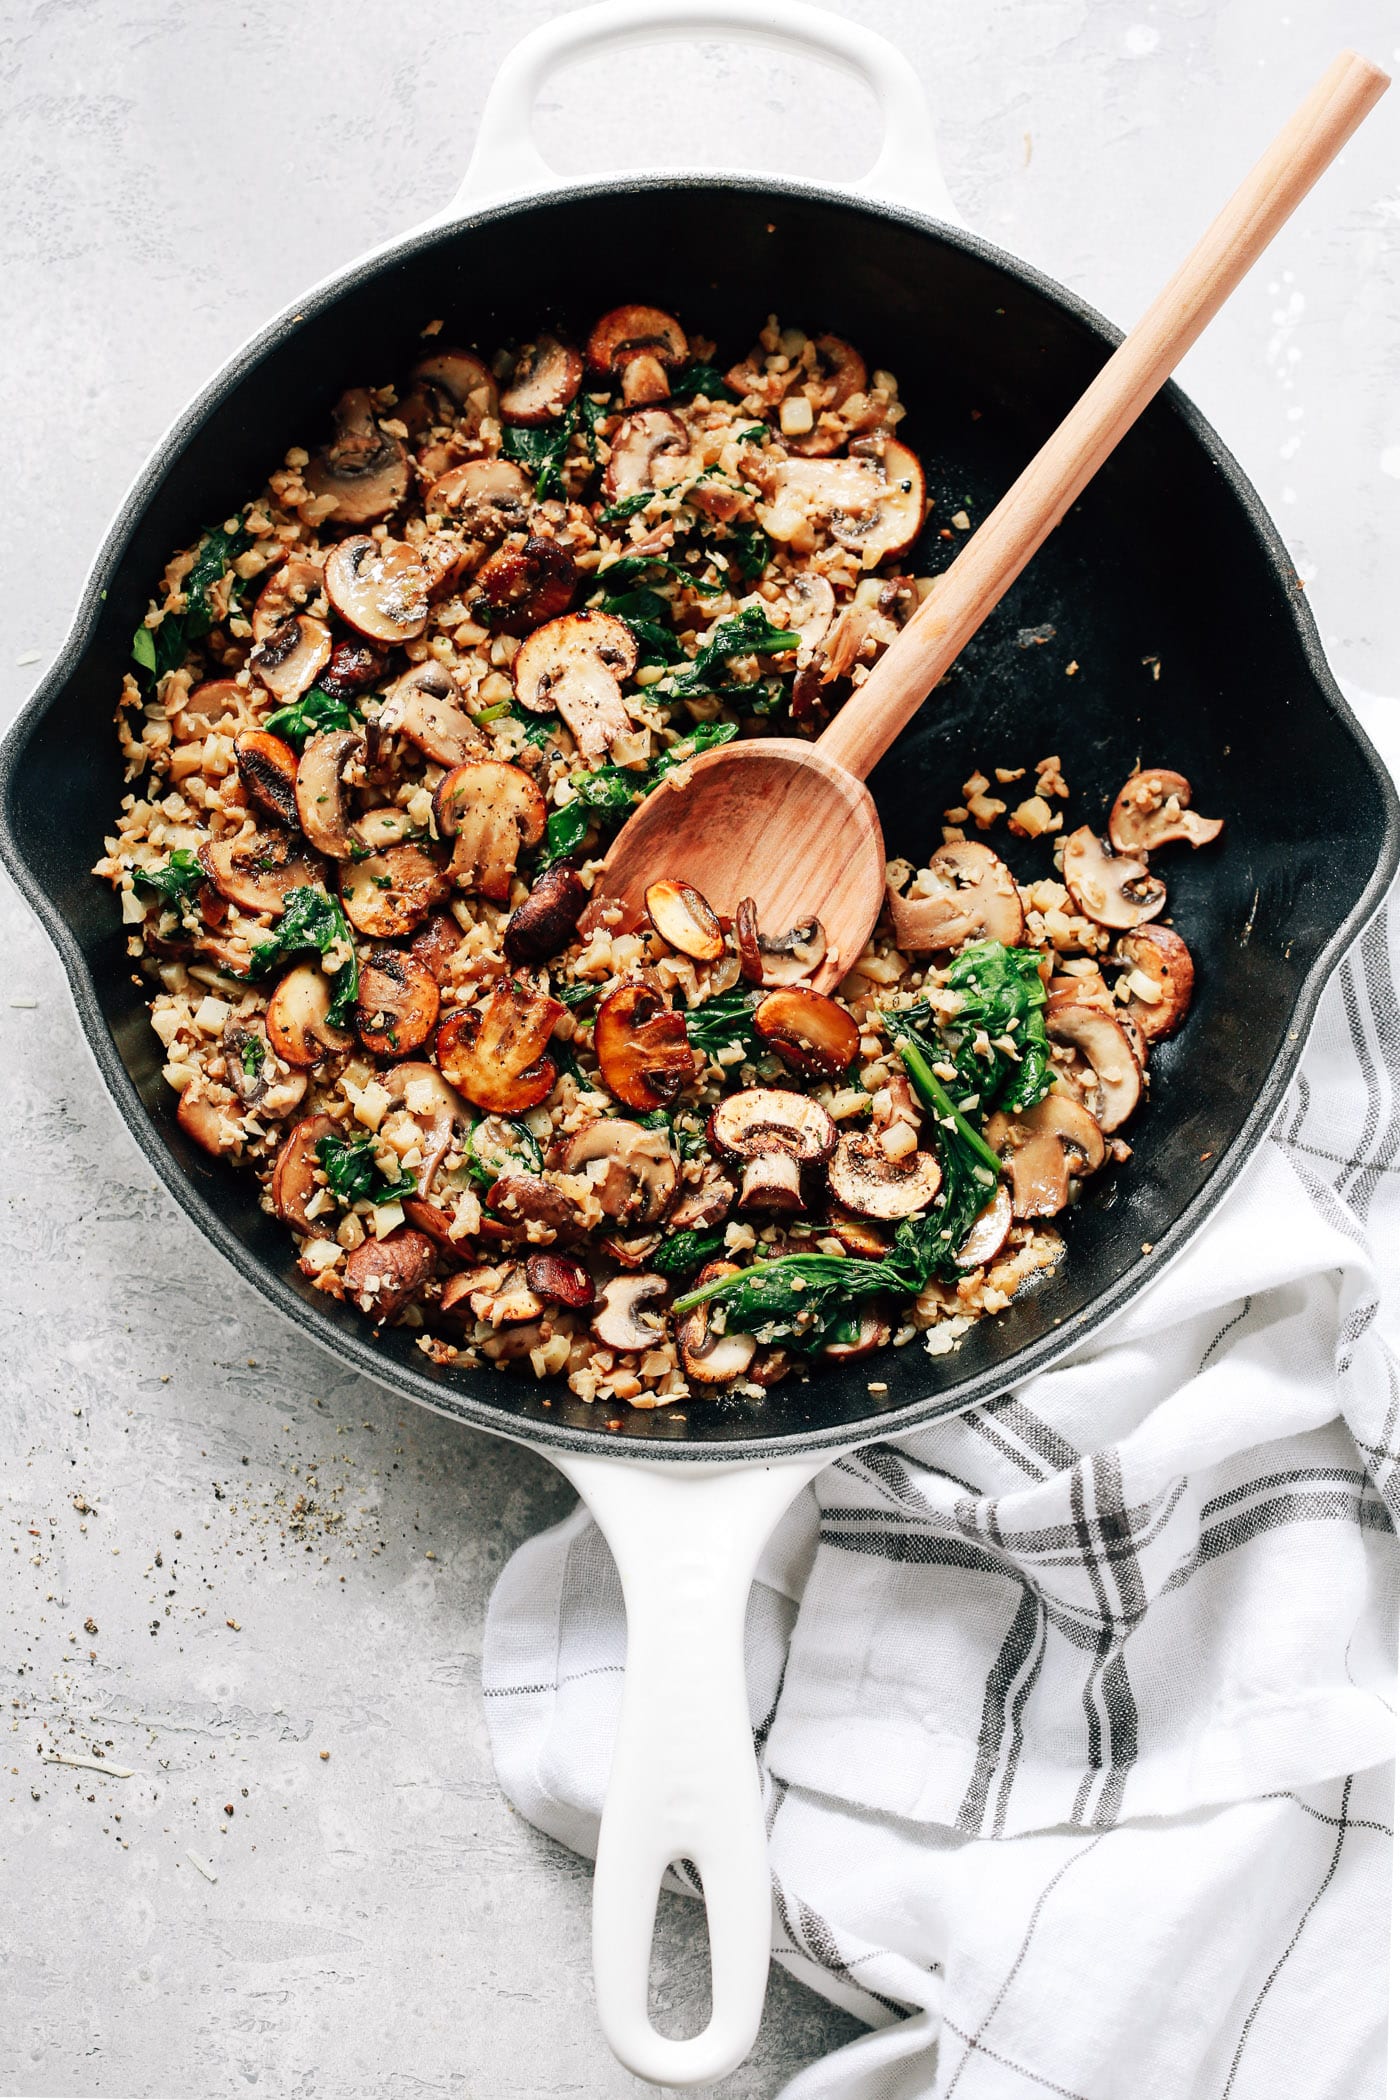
{"points": [[642, 346], [436, 943], [708, 1356], [496, 1056], [326, 766], [630, 1315], [684, 920], [435, 1221], [1105, 1069], [772, 1134], [871, 1334], [215, 1125], [560, 1277], [363, 469], [489, 810], [1160, 979], [1115, 889], [810, 1032], [255, 1073], [515, 1201], [710, 1204], [491, 496], [423, 706], [384, 1276], [528, 585], [500, 1295], [376, 830], [378, 587], [841, 369], [575, 667], [647, 447], [875, 507], [546, 377], [859, 1236], [212, 707], [785, 958], [637, 1177], [437, 1109], [1154, 809], [353, 666], [643, 1051], [1041, 1148], [294, 1182], [256, 869], [972, 895], [390, 894], [294, 586], [292, 657], [545, 922], [398, 1005], [811, 606], [298, 1018], [864, 1176], [268, 769], [448, 388], [988, 1232]]}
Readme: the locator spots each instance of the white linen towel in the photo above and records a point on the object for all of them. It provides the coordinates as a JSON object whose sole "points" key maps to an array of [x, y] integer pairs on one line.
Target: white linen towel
{"points": [[1076, 1714]]}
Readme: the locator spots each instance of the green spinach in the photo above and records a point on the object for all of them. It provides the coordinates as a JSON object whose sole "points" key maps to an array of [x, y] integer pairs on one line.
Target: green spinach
{"points": [[351, 1169], [308, 716], [313, 922], [157, 650], [176, 881]]}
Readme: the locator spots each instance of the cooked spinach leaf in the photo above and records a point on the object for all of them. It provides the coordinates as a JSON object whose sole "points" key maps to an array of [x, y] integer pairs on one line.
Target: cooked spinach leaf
{"points": [[176, 881], [541, 450], [314, 712], [728, 1018], [749, 633], [157, 650], [682, 1253], [629, 568], [607, 796], [702, 379], [647, 613], [350, 1167], [313, 922]]}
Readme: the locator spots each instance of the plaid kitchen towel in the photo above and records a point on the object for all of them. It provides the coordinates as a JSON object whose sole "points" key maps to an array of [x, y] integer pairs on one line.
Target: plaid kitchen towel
{"points": [[1076, 1714]]}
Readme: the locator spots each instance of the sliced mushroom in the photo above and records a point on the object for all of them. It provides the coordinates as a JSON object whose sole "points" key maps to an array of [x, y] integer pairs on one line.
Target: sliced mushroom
{"points": [[436, 943], [323, 777], [561, 1278], [810, 1032], [639, 1175], [709, 1356], [773, 1134], [390, 894], [842, 372], [298, 1018], [684, 920], [448, 388], [864, 1177], [528, 585], [528, 1199], [384, 1276], [1115, 889], [294, 586], [217, 1126], [438, 1110], [546, 377], [378, 587], [500, 1296], [253, 1074], [811, 609], [629, 1314], [490, 810], [398, 1005], [642, 346], [1042, 1147], [423, 706], [786, 958], [710, 1204], [874, 507], [1106, 1069], [216, 706], [643, 1051], [490, 497], [575, 666], [1154, 809], [294, 1182], [363, 469], [988, 1232], [1159, 980], [642, 445], [545, 922], [292, 657], [353, 666], [268, 769], [973, 897], [859, 1236], [871, 1334], [376, 830], [497, 1056], [256, 869]]}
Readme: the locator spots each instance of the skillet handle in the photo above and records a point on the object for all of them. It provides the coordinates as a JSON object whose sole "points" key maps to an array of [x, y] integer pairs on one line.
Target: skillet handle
{"points": [[683, 1786], [506, 162]]}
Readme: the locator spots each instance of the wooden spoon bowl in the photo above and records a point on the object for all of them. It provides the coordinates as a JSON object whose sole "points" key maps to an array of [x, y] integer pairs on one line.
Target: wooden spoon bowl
{"points": [[713, 824]]}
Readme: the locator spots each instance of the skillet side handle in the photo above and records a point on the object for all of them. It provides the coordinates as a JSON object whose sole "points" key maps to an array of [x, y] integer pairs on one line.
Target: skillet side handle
{"points": [[684, 1785], [506, 162]]}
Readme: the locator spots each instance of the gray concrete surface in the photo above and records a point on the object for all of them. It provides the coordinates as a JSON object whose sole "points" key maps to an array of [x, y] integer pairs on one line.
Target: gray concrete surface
{"points": [[252, 1580]]}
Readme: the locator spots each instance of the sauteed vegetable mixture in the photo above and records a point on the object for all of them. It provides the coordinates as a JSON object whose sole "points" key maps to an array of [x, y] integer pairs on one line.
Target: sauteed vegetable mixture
{"points": [[380, 726]]}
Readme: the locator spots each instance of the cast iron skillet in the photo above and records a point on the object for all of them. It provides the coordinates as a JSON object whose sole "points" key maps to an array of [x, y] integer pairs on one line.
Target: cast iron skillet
{"points": [[1167, 586]]}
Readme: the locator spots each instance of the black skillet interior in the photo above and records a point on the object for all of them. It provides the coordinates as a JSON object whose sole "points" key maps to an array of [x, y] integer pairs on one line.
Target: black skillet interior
{"points": [[1162, 623]]}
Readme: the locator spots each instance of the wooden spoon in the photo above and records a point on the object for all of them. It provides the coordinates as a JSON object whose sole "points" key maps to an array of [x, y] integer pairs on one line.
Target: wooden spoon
{"points": [[792, 824]]}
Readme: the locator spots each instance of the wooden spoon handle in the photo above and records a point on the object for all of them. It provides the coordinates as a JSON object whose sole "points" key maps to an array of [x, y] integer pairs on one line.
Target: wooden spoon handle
{"points": [[1031, 509]]}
